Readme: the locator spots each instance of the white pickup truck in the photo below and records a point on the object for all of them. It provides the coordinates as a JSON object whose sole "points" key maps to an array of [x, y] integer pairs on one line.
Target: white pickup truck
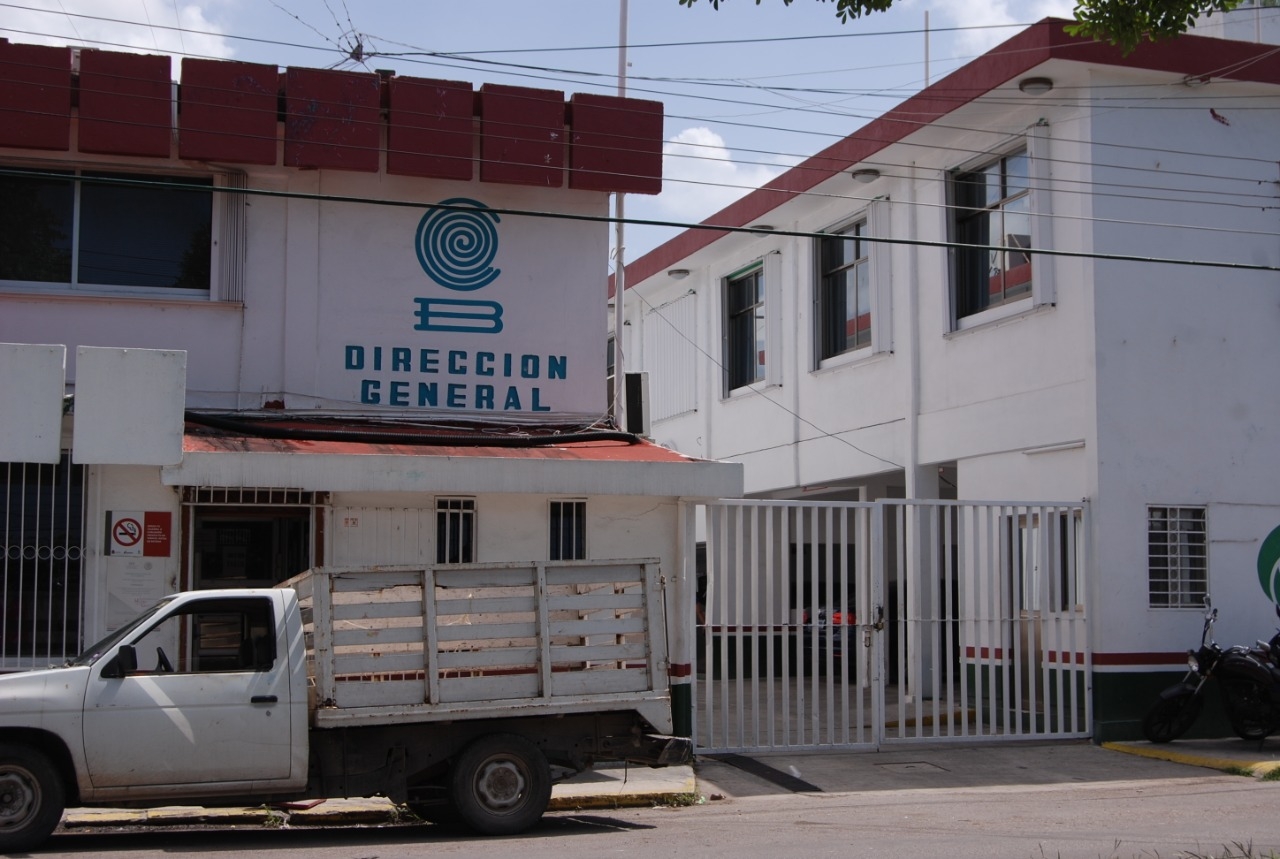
{"points": [[460, 691]]}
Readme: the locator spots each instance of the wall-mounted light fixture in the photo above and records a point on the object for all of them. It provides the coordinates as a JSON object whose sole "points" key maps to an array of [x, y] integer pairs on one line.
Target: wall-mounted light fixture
{"points": [[677, 273], [866, 175], [1035, 86], [766, 228]]}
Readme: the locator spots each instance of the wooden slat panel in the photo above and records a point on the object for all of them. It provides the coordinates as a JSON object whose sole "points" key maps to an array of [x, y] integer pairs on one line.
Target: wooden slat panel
{"points": [[596, 602], [372, 638], [377, 663], [627, 574], [488, 658], [611, 626], [377, 611], [599, 652], [380, 694], [496, 688], [468, 631], [485, 605], [485, 578], [599, 682], [376, 580]]}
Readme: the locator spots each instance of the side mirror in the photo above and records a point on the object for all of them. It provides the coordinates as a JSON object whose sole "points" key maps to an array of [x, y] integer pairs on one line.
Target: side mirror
{"points": [[124, 663]]}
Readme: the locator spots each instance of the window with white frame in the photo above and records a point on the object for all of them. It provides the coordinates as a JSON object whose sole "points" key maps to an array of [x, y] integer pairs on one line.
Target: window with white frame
{"points": [[568, 538], [1177, 557], [992, 212], [455, 530], [744, 328], [87, 230], [844, 291]]}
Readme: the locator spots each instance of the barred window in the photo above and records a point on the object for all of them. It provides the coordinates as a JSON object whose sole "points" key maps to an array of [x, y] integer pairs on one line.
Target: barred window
{"points": [[568, 531], [455, 530], [1177, 557]]}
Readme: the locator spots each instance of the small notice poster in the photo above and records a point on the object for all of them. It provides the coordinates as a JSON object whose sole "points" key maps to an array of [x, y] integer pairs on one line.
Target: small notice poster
{"points": [[140, 534]]}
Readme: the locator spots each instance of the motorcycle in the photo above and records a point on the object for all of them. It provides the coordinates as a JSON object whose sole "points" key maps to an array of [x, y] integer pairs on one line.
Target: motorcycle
{"points": [[1247, 677]]}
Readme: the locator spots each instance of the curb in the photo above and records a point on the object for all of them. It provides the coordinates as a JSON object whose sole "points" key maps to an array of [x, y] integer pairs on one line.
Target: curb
{"points": [[1257, 769]]}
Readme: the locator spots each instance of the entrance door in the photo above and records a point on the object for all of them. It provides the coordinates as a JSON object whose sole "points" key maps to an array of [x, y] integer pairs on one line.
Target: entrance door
{"points": [[208, 703]]}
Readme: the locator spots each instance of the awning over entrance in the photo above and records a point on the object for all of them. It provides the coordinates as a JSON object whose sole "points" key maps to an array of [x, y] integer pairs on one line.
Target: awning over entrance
{"points": [[213, 458]]}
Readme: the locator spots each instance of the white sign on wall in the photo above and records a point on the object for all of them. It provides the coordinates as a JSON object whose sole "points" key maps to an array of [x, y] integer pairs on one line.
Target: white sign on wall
{"points": [[464, 310]]}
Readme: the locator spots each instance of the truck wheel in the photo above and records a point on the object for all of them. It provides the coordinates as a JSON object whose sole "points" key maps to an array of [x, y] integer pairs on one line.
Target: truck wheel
{"points": [[31, 798], [500, 784]]}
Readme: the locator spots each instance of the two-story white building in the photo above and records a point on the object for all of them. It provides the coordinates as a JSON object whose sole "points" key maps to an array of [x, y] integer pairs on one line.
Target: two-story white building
{"points": [[256, 321], [1051, 276]]}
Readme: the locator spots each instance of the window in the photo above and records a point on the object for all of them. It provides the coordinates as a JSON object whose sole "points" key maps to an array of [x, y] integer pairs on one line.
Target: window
{"points": [[844, 311], [455, 530], [992, 208], [568, 531], [1177, 557], [211, 635], [744, 329], [62, 228]]}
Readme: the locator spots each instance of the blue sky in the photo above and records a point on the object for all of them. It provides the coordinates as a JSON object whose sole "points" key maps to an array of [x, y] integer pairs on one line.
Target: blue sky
{"points": [[781, 83]]}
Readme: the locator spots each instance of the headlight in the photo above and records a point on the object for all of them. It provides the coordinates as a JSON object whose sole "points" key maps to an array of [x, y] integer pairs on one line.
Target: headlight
{"points": [[1192, 662]]}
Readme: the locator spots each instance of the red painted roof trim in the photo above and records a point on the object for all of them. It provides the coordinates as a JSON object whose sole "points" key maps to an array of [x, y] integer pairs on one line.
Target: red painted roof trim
{"points": [[1042, 41]]}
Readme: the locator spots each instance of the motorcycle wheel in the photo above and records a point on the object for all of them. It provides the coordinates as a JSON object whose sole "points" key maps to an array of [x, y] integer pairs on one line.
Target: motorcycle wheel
{"points": [[1248, 710], [1173, 713]]}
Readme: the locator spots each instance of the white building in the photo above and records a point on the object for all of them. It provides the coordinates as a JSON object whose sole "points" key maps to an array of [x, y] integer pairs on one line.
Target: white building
{"points": [[885, 358], [379, 357]]}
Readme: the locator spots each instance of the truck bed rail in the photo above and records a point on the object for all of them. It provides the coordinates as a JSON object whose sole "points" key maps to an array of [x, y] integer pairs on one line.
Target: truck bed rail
{"points": [[385, 643]]}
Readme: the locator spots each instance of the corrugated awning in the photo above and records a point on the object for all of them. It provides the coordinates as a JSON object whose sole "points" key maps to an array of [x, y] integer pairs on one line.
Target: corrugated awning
{"points": [[217, 458]]}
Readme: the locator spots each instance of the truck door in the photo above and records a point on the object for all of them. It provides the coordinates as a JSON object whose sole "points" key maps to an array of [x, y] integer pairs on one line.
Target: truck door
{"points": [[209, 701]]}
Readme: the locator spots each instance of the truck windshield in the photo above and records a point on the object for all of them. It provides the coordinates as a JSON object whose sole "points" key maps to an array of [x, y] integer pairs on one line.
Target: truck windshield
{"points": [[91, 654]]}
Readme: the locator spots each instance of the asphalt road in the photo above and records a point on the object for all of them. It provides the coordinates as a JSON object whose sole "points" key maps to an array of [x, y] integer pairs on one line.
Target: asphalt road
{"points": [[1169, 811]]}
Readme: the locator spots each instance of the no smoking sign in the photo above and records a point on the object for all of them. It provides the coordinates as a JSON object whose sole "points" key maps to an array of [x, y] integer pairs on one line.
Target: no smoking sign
{"points": [[139, 534]]}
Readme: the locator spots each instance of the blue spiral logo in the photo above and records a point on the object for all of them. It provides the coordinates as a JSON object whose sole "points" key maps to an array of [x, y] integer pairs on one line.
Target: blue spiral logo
{"points": [[456, 246]]}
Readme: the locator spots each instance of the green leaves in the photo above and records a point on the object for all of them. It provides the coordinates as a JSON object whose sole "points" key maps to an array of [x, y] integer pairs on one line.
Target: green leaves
{"points": [[1124, 23]]}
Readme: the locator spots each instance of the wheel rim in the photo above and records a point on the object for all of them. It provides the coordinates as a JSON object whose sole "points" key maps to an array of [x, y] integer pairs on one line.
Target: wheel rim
{"points": [[501, 785], [19, 797]]}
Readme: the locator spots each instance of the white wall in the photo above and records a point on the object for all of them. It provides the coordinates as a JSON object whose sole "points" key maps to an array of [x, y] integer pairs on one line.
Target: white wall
{"points": [[320, 276], [1186, 356]]}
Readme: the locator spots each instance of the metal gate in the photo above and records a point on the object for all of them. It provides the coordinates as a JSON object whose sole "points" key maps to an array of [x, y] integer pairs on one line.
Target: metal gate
{"points": [[41, 551], [859, 625]]}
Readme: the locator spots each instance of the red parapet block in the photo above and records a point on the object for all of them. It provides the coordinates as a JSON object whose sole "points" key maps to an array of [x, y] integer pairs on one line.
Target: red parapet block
{"points": [[227, 112], [332, 120], [126, 105], [522, 136], [35, 97], [615, 144], [432, 129]]}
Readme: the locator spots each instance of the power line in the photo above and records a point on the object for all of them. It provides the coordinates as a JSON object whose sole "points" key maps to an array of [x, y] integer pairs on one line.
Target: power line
{"points": [[606, 219]]}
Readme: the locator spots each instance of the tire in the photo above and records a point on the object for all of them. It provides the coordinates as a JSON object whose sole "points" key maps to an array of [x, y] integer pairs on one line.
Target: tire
{"points": [[500, 785], [1173, 713], [1248, 710], [31, 798]]}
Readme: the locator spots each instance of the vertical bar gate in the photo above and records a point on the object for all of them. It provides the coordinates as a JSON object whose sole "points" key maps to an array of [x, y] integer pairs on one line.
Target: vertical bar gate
{"points": [[859, 625]]}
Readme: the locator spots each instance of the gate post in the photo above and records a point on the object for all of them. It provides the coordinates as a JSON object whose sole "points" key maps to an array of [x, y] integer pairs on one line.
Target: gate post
{"points": [[682, 590]]}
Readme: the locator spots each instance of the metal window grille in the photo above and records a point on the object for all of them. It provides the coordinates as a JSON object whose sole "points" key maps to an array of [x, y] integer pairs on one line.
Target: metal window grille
{"points": [[41, 549], [455, 530], [1177, 557], [568, 531]]}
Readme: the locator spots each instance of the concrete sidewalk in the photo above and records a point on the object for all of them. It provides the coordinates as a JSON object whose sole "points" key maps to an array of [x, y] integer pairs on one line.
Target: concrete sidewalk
{"points": [[613, 786], [721, 777]]}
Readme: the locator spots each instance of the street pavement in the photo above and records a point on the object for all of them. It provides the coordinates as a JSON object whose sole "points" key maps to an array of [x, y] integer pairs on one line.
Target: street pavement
{"points": [[725, 777]]}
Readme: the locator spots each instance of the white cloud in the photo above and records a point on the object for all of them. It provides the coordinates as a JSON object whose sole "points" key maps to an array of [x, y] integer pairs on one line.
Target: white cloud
{"points": [[992, 15], [122, 25], [701, 176]]}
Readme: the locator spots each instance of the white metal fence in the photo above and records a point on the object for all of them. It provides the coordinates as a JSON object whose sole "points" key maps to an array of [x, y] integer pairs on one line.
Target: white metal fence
{"points": [[858, 625]]}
